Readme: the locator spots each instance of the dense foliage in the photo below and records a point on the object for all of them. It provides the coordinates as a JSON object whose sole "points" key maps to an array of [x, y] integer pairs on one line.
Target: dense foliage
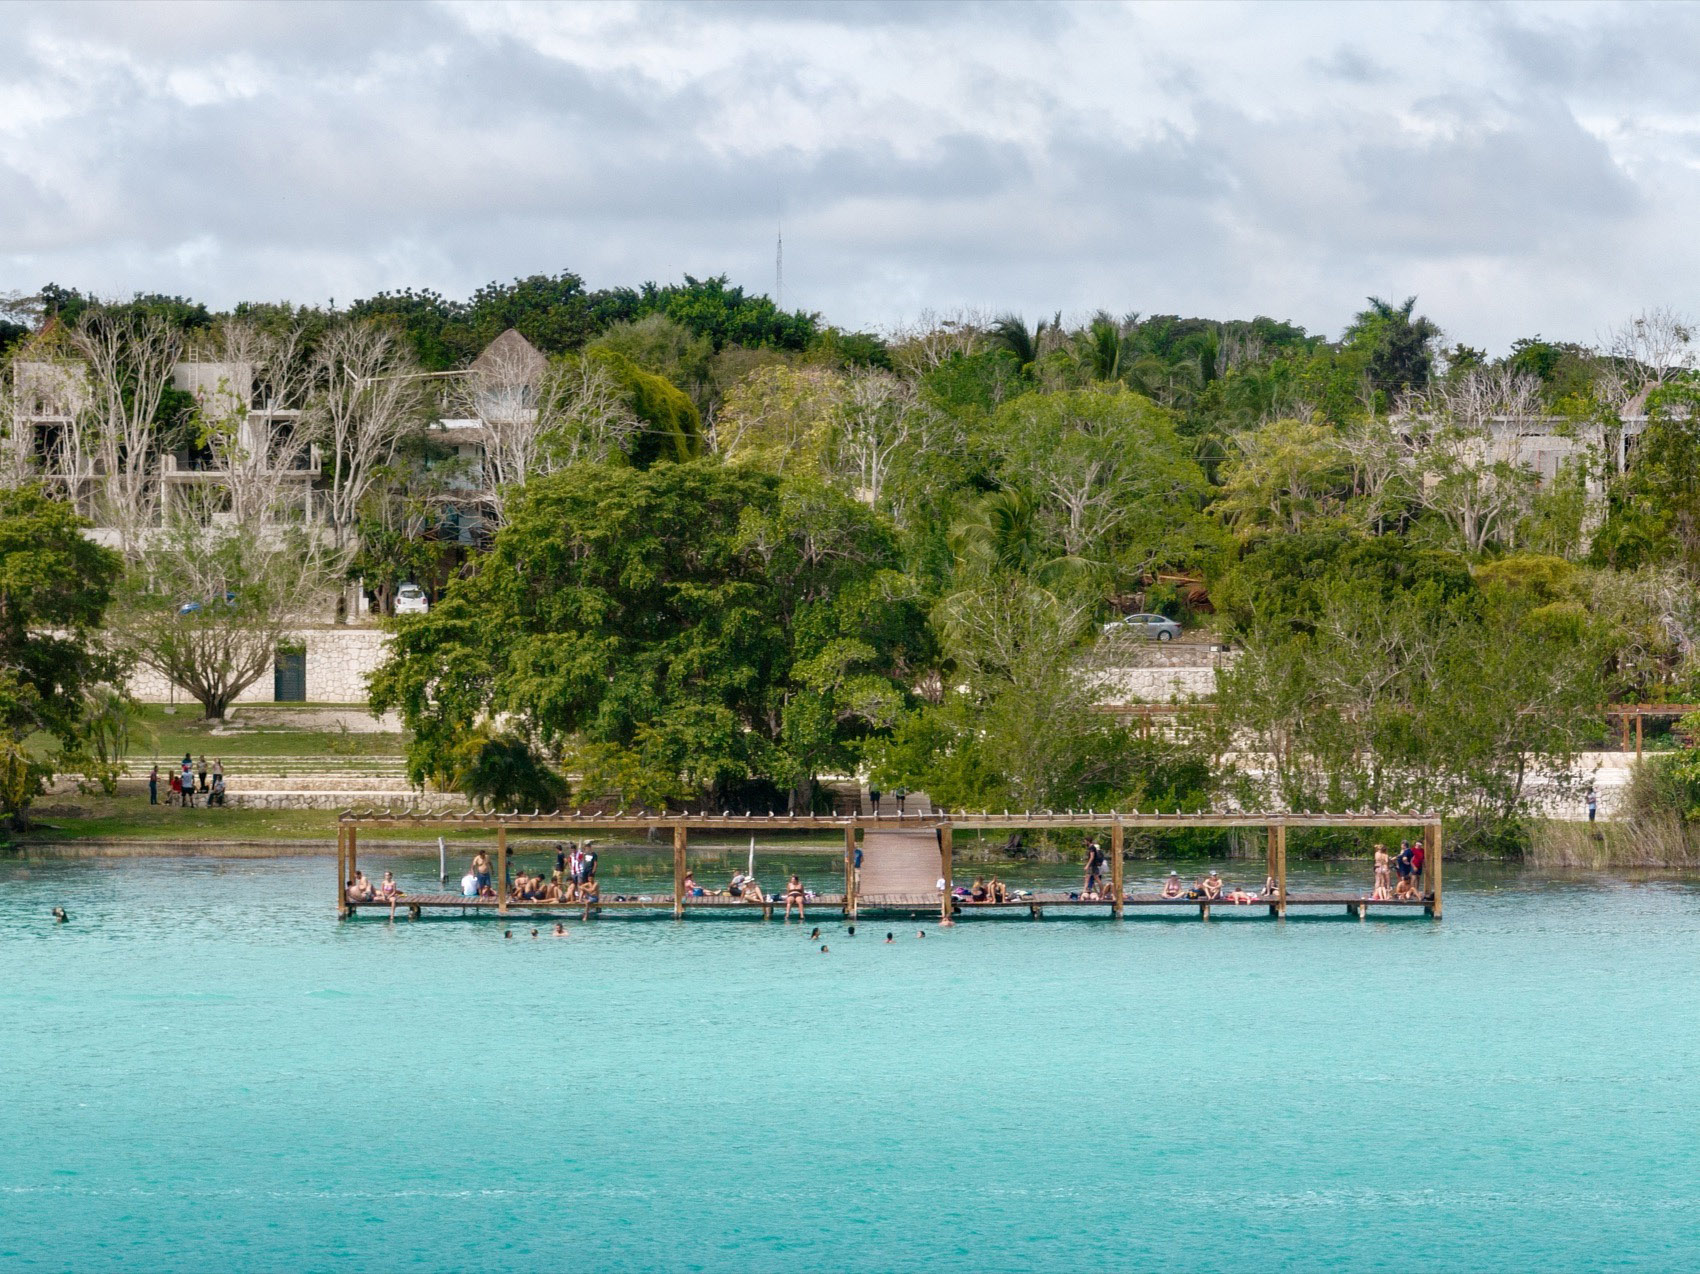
{"points": [[54, 588], [711, 551]]}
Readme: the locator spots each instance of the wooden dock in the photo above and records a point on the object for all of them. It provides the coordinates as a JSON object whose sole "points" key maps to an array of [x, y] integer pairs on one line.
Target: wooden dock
{"points": [[905, 861]]}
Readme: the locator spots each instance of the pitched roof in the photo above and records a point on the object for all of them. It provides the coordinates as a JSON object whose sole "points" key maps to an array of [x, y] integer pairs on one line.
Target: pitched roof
{"points": [[508, 352]]}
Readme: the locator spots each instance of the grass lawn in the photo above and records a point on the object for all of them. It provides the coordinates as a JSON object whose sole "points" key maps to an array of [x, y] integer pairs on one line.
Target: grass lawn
{"points": [[162, 734], [62, 819]]}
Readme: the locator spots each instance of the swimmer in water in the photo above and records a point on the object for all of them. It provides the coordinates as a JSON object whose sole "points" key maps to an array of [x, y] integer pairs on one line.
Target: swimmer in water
{"points": [[59, 916], [534, 933], [920, 933], [889, 938], [560, 930], [852, 931], [507, 933], [823, 948], [815, 932]]}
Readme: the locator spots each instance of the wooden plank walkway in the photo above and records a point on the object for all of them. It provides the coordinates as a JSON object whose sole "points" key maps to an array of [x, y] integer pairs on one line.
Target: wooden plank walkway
{"points": [[904, 902]]}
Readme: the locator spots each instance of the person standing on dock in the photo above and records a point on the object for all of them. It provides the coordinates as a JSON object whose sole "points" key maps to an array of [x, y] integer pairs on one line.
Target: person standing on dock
{"points": [[1419, 855], [900, 794], [874, 800], [1094, 867], [153, 786]]}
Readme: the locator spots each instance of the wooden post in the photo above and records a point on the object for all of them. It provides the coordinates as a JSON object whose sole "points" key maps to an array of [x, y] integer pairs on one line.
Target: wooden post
{"points": [[1638, 720], [341, 867], [945, 836], [1279, 834], [502, 870], [1431, 864], [1623, 721], [680, 836], [1116, 868], [850, 869], [353, 852]]}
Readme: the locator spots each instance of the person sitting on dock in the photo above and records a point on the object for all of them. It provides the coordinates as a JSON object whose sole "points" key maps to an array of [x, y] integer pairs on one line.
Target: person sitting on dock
{"points": [[359, 889], [753, 890], [389, 891], [469, 884], [589, 894], [978, 892], [692, 889], [735, 887], [794, 894], [1405, 890], [997, 891], [1211, 886], [1172, 886]]}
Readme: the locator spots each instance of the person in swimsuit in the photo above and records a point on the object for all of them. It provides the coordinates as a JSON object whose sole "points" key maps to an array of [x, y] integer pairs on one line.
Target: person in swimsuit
{"points": [[978, 893], [1172, 886], [1380, 889], [481, 869], [794, 894], [997, 890], [1212, 885]]}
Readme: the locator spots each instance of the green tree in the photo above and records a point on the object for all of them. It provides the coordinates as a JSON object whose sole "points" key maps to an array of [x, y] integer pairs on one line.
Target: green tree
{"points": [[683, 631], [55, 585], [1282, 478], [1399, 344]]}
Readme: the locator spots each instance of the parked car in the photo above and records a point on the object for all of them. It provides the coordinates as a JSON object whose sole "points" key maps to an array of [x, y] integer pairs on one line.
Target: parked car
{"points": [[1155, 627], [410, 600]]}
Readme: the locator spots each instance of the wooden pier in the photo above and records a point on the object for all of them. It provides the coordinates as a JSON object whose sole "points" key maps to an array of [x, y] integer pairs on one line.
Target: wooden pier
{"points": [[906, 861]]}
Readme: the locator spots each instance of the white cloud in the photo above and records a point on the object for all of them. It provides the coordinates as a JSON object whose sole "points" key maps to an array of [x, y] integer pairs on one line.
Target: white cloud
{"points": [[1523, 168]]}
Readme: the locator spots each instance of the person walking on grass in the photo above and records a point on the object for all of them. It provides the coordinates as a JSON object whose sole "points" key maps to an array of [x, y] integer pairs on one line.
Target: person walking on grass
{"points": [[153, 786]]}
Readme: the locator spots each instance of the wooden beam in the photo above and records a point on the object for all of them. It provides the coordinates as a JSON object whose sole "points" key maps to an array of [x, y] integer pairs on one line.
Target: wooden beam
{"points": [[1116, 869], [1432, 853], [946, 833], [501, 869], [850, 870], [1279, 834], [680, 837]]}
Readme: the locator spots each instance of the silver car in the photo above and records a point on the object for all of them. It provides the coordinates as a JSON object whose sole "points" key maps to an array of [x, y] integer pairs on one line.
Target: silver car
{"points": [[1154, 627]]}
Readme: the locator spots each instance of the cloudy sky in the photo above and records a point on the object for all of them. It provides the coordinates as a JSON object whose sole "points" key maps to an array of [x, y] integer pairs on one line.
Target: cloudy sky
{"points": [[1522, 169]]}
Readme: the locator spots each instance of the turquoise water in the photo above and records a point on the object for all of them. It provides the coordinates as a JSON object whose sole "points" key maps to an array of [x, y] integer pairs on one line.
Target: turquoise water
{"points": [[206, 1071]]}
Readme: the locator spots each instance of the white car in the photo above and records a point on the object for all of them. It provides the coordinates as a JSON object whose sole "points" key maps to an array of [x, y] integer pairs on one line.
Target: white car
{"points": [[410, 599]]}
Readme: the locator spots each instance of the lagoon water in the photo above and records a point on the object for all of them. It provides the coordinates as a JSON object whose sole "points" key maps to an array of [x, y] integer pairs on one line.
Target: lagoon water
{"points": [[206, 1071]]}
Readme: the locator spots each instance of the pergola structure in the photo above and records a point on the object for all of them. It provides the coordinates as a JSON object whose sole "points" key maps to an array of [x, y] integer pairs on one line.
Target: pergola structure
{"points": [[919, 836]]}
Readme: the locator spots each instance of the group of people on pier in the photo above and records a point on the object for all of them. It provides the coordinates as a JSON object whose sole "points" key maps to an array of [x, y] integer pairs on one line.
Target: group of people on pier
{"points": [[182, 788], [746, 888], [1408, 863], [573, 880]]}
